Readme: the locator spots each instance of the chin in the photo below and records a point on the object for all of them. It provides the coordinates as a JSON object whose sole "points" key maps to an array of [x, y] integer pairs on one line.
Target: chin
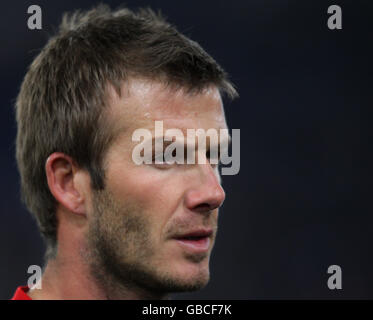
{"points": [[190, 284], [190, 276]]}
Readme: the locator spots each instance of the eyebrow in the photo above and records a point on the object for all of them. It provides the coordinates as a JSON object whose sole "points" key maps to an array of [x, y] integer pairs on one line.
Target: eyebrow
{"points": [[166, 143]]}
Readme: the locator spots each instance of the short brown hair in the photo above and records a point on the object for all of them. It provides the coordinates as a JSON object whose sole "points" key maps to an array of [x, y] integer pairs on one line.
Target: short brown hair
{"points": [[60, 104]]}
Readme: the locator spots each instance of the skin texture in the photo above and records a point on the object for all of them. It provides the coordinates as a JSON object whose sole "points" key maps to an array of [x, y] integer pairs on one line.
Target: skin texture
{"points": [[118, 243]]}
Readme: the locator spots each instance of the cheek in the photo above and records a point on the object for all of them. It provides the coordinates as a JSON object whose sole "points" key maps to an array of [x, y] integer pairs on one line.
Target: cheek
{"points": [[157, 193], [138, 184]]}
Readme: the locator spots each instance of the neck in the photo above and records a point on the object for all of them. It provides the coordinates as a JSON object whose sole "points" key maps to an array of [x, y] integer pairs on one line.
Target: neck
{"points": [[65, 278], [70, 275]]}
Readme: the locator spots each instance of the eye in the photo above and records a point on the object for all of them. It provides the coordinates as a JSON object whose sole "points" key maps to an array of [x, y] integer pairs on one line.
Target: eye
{"points": [[160, 157], [162, 166], [213, 157]]}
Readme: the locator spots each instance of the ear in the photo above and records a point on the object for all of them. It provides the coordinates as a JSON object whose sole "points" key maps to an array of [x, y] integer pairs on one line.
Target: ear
{"points": [[63, 181]]}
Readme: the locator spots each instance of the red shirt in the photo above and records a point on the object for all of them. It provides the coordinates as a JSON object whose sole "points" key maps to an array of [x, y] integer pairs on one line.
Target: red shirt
{"points": [[21, 294]]}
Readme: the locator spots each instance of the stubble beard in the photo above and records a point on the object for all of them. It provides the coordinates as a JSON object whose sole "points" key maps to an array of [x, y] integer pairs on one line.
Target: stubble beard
{"points": [[120, 253]]}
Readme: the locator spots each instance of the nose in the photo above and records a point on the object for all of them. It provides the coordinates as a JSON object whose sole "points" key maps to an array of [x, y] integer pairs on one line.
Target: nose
{"points": [[207, 193]]}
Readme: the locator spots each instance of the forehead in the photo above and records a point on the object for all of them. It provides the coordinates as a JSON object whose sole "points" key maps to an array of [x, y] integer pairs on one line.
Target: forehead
{"points": [[144, 101]]}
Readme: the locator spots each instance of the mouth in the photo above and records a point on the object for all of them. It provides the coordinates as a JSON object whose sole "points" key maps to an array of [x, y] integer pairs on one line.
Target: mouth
{"points": [[197, 241]]}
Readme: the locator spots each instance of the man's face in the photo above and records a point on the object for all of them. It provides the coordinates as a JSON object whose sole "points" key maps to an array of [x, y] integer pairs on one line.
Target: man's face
{"points": [[141, 223]]}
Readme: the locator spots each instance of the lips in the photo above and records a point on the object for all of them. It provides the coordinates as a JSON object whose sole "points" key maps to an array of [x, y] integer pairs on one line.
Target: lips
{"points": [[200, 233], [197, 240]]}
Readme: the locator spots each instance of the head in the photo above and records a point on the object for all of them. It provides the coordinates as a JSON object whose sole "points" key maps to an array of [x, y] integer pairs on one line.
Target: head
{"points": [[105, 74]]}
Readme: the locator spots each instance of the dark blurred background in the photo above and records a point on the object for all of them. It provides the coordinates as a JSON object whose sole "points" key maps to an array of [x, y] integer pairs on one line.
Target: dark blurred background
{"points": [[296, 207]]}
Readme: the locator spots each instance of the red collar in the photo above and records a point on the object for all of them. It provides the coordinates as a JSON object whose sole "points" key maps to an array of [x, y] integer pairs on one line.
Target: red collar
{"points": [[21, 294]]}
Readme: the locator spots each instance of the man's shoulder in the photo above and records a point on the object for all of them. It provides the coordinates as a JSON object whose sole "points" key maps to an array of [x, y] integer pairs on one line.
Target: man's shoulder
{"points": [[21, 293]]}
